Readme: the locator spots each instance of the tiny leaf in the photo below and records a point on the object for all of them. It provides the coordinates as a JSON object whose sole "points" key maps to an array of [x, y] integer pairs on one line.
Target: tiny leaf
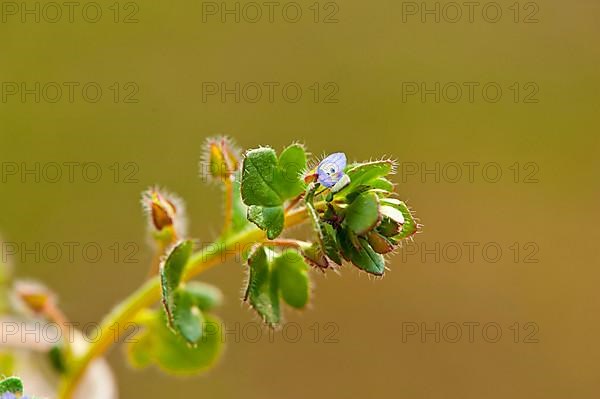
{"points": [[409, 227], [314, 255], [325, 231], [187, 317], [382, 183], [58, 358], [366, 173], [270, 219], [262, 291], [171, 271], [239, 220], [392, 213], [379, 243], [363, 213], [258, 178], [268, 181], [156, 344], [359, 252], [330, 245], [203, 295], [292, 162], [11, 385], [292, 276]]}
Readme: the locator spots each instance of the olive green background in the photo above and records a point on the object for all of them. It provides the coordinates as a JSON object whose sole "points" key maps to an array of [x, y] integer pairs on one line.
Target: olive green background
{"points": [[368, 54]]}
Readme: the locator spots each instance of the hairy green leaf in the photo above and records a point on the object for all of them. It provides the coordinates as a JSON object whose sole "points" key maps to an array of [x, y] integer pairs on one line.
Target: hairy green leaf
{"points": [[187, 317], [238, 221], [358, 251], [268, 181], [156, 344], [365, 174], [11, 385], [204, 296], [262, 291], [292, 276], [258, 178], [171, 271], [314, 255], [363, 213], [325, 232], [292, 162], [409, 227], [188, 302], [329, 242], [269, 219], [382, 183], [379, 243]]}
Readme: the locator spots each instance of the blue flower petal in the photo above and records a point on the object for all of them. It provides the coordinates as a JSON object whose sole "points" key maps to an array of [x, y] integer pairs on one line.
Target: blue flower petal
{"points": [[331, 169]]}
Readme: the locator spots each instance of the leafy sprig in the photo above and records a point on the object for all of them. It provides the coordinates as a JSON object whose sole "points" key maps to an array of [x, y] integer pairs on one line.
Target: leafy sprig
{"points": [[356, 218]]}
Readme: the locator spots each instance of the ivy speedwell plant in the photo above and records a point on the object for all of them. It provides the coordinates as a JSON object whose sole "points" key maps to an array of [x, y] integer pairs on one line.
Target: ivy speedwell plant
{"points": [[356, 218]]}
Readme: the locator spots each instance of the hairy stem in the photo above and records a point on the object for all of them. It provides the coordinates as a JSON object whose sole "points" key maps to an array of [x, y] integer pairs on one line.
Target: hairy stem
{"points": [[228, 193], [112, 326]]}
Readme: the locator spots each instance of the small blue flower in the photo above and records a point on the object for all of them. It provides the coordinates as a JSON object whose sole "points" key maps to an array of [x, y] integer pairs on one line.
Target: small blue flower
{"points": [[331, 169], [8, 395]]}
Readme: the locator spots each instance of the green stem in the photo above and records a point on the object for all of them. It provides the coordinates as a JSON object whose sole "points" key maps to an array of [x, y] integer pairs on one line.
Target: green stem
{"points": [[149, 293]]}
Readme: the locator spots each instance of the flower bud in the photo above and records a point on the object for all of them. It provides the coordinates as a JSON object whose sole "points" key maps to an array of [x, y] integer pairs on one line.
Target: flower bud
{"points": [[221, 159], [165, 211], [33, 296]]}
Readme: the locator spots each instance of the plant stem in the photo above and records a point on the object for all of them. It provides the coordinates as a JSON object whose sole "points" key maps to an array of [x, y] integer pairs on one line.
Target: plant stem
{"points": [[228, 193], [149, 293]]}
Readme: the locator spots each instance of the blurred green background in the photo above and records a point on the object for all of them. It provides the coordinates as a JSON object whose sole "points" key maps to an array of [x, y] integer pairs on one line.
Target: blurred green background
{"points": [[368, 54]]}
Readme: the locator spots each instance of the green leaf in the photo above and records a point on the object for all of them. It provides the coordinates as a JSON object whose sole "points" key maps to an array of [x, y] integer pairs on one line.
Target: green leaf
{"points": [[292, 276], [238, 221], [325, 232], [409, 227], [329, 242], [258, 178], [292, 162], [382, 183], [268, 181], [58, 358], [360, 253], [363, 213], [270, 219], [379, 243], [314, 254], [12, 385], [187, 304], [262, 291], [398, 221], [365, 174], [187, 317], [388, 227], [171, 271], [204, 296], [393, 213], [157, 345]]}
